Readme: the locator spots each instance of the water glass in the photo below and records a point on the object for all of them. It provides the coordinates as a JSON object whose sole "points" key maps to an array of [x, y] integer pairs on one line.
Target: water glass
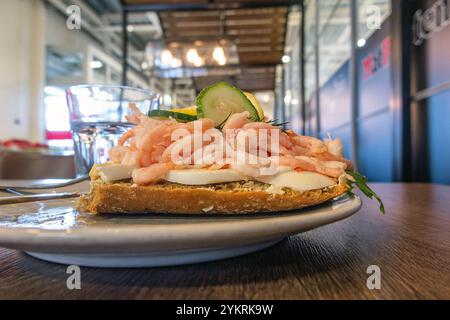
{"points": [[97, 119]]}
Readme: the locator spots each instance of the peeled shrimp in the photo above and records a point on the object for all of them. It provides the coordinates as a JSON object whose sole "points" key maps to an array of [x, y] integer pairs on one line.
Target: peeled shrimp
{"points": [[135, 115], [335, 147], [202, 124], [151, 174], [181, 150], [327, 156], [157, 152], [329, 168], [299, 151], [266, 128], [151, 137], [313, 144], [117, 153], [130, 158], [257, 149], [126, 136], [236, 121], [144, 158]]}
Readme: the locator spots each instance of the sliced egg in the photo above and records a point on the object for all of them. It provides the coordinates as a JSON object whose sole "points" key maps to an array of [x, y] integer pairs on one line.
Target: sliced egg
{"points": [[115, 172], [299, 181], [203, 176], [302, 181]]}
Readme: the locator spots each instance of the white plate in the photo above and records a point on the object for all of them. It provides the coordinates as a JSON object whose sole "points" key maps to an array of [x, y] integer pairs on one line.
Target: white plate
{"points": [[55, 231]]}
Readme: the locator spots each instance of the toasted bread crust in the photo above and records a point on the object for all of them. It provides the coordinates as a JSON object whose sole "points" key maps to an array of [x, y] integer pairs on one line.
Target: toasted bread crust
{"points": [[229, 198]]}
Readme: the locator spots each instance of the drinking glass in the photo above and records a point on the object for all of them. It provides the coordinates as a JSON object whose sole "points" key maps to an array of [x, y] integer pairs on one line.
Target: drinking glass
{"points": [[97, 119]]}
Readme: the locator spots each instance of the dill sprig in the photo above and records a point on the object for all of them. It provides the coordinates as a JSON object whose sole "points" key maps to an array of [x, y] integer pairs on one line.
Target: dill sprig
{"points": [[361, 183], [276, 122]]}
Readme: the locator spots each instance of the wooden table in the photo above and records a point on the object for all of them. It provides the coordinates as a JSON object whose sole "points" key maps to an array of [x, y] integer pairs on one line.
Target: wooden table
{"points": [[410, 244]]}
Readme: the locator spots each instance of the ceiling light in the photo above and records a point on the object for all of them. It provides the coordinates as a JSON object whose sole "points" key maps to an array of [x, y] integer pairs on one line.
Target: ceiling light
{"points": [[286, 59], [192, 55], [144, 65], [218, 53], [166, 57], [222, 61], [95, 64], [361, 42], [198, 62], [175, 63], [130, 28]]}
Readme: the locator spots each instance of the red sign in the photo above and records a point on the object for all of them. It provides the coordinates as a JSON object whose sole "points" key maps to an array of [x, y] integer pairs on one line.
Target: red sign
{"points": [[377, 60], [58, 135]]}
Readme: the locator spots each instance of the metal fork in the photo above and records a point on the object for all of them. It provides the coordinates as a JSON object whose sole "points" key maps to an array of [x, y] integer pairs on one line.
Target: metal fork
{"points": [[44, 185], [38, 197], [22, 196]]}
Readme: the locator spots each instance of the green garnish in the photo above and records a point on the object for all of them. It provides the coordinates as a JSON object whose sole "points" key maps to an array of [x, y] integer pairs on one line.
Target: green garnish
{"points": [[167, 114], [278, 123], [361, 183]]}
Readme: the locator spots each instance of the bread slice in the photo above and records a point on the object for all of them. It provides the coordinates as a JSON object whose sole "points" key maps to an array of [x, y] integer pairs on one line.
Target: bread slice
{"points": [[226, 198]]}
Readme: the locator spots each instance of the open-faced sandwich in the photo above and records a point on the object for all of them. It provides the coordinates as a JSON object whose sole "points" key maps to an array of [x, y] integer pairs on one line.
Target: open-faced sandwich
{"points": [[221, 156]]}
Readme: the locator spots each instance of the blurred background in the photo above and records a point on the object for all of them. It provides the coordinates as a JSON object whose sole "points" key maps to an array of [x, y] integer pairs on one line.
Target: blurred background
{"points": [[373, 72]]}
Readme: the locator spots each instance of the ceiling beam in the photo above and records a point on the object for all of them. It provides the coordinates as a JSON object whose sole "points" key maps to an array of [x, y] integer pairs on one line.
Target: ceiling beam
{"points": [[130, 6]]}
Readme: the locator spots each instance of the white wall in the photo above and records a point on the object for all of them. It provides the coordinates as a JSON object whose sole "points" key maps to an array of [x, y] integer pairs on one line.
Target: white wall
{"points": [[22, 68]]}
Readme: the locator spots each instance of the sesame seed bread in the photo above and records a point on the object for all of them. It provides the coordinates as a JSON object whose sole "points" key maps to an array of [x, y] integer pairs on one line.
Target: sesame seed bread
{"points": [[225, 198]]}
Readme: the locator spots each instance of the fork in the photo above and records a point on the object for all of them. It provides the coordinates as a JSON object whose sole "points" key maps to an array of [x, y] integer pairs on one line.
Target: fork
{"points": [[22, 196], [41, 186], [38, 197]]}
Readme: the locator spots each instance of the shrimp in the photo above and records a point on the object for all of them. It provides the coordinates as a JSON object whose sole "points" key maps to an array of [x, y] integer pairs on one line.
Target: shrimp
{"points": [[204, 124], [126, 136], [218, 166], [135, 116], [130, 158], [150, 138], [117, 153], [256, 167], [299, 151], [329, 168], [258, 125], [151, 174], [327, 156], [138, 118], [287, 161], [236, 121], [157, 152], [335, 147], [185, 146], [144, 158], [204, 156], [313, 144], [283, 138]]}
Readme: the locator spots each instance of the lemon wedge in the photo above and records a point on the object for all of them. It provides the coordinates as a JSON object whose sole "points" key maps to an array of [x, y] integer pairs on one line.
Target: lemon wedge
{"points": [[256, 104], [192, 111]]}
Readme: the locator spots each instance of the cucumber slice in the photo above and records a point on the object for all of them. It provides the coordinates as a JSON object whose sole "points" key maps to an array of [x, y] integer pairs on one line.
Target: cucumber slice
{"points": [[219, 101], [167, 114]]}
